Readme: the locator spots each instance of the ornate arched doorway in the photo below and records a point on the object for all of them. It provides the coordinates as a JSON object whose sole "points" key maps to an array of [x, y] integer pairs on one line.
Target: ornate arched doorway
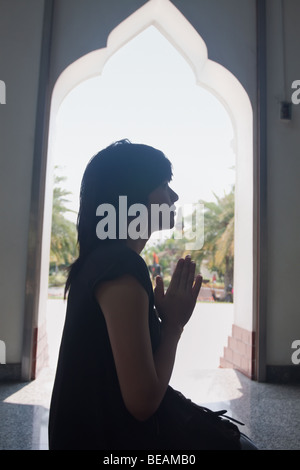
{"points": [[227, 89]]}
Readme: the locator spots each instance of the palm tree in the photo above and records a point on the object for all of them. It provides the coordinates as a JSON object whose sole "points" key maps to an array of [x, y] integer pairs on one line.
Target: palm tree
{"points": [[218, 247], [63, 248], [165, 253]]}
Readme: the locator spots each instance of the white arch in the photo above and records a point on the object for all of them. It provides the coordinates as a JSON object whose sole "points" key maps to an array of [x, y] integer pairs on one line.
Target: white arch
{"points": [[169, 21]]}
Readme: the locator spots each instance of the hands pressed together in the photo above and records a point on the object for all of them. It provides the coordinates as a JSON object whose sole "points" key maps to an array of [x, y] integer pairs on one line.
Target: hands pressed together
{"points": [[176, 305]]}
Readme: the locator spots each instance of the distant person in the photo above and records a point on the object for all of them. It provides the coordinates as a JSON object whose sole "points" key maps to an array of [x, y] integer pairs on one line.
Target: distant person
{"points": [[111, 389], [229, 293], [155, 270]]}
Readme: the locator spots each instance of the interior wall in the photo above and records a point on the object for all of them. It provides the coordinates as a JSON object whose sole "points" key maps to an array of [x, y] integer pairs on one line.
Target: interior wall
{"points": [[20, 43], [94, 18], [283, 164], [229, 30]]}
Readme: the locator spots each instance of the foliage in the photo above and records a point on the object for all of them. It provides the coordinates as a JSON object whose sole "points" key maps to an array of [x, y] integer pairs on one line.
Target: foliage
{"points": [[63, 248], [218, 249], [168, 252]]}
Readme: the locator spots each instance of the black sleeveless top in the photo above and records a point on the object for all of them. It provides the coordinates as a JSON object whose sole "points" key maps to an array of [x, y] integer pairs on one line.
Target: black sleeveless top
{"points": [[87, 410]]}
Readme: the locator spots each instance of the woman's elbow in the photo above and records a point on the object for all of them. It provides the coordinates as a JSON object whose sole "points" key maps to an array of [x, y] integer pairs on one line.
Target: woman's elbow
{"points": [[142, 410], [141, 415]]}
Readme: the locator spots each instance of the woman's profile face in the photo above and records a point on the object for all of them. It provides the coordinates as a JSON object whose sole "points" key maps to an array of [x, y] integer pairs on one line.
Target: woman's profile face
{"points": [[163, 197]]}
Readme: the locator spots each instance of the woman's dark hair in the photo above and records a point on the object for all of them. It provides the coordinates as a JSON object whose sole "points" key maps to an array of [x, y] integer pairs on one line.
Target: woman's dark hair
{"points": [[121, 169]]}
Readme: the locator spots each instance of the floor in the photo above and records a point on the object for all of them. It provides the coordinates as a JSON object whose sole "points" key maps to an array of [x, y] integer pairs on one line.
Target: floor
{"points": [[271, 413]]}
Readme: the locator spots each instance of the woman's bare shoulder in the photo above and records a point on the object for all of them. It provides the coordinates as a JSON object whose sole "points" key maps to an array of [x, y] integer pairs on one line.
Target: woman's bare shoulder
{"points": [[122, 292]]}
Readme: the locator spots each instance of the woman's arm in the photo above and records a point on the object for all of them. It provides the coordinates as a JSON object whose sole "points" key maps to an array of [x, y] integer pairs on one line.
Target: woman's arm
{"points": [[143, 377]]}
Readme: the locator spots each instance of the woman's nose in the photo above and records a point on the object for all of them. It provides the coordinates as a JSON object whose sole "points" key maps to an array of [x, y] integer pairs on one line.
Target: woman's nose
{"points": [[174, 196]]}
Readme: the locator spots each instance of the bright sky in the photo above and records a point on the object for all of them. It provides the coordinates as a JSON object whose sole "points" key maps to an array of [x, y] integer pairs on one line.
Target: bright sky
{"points": [[147, 93]]}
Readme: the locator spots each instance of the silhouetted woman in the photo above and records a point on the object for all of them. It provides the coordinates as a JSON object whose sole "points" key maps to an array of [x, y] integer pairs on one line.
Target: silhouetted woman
{"points": [[119, 341]]}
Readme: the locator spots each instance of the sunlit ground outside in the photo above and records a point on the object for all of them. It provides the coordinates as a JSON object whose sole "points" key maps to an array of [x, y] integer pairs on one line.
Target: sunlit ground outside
{"points": [[200, 347]]}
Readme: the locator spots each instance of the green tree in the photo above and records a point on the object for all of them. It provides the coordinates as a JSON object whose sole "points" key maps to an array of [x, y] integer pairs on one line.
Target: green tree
{"points": [[63, 248], [168, 252], [218, 247]]}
